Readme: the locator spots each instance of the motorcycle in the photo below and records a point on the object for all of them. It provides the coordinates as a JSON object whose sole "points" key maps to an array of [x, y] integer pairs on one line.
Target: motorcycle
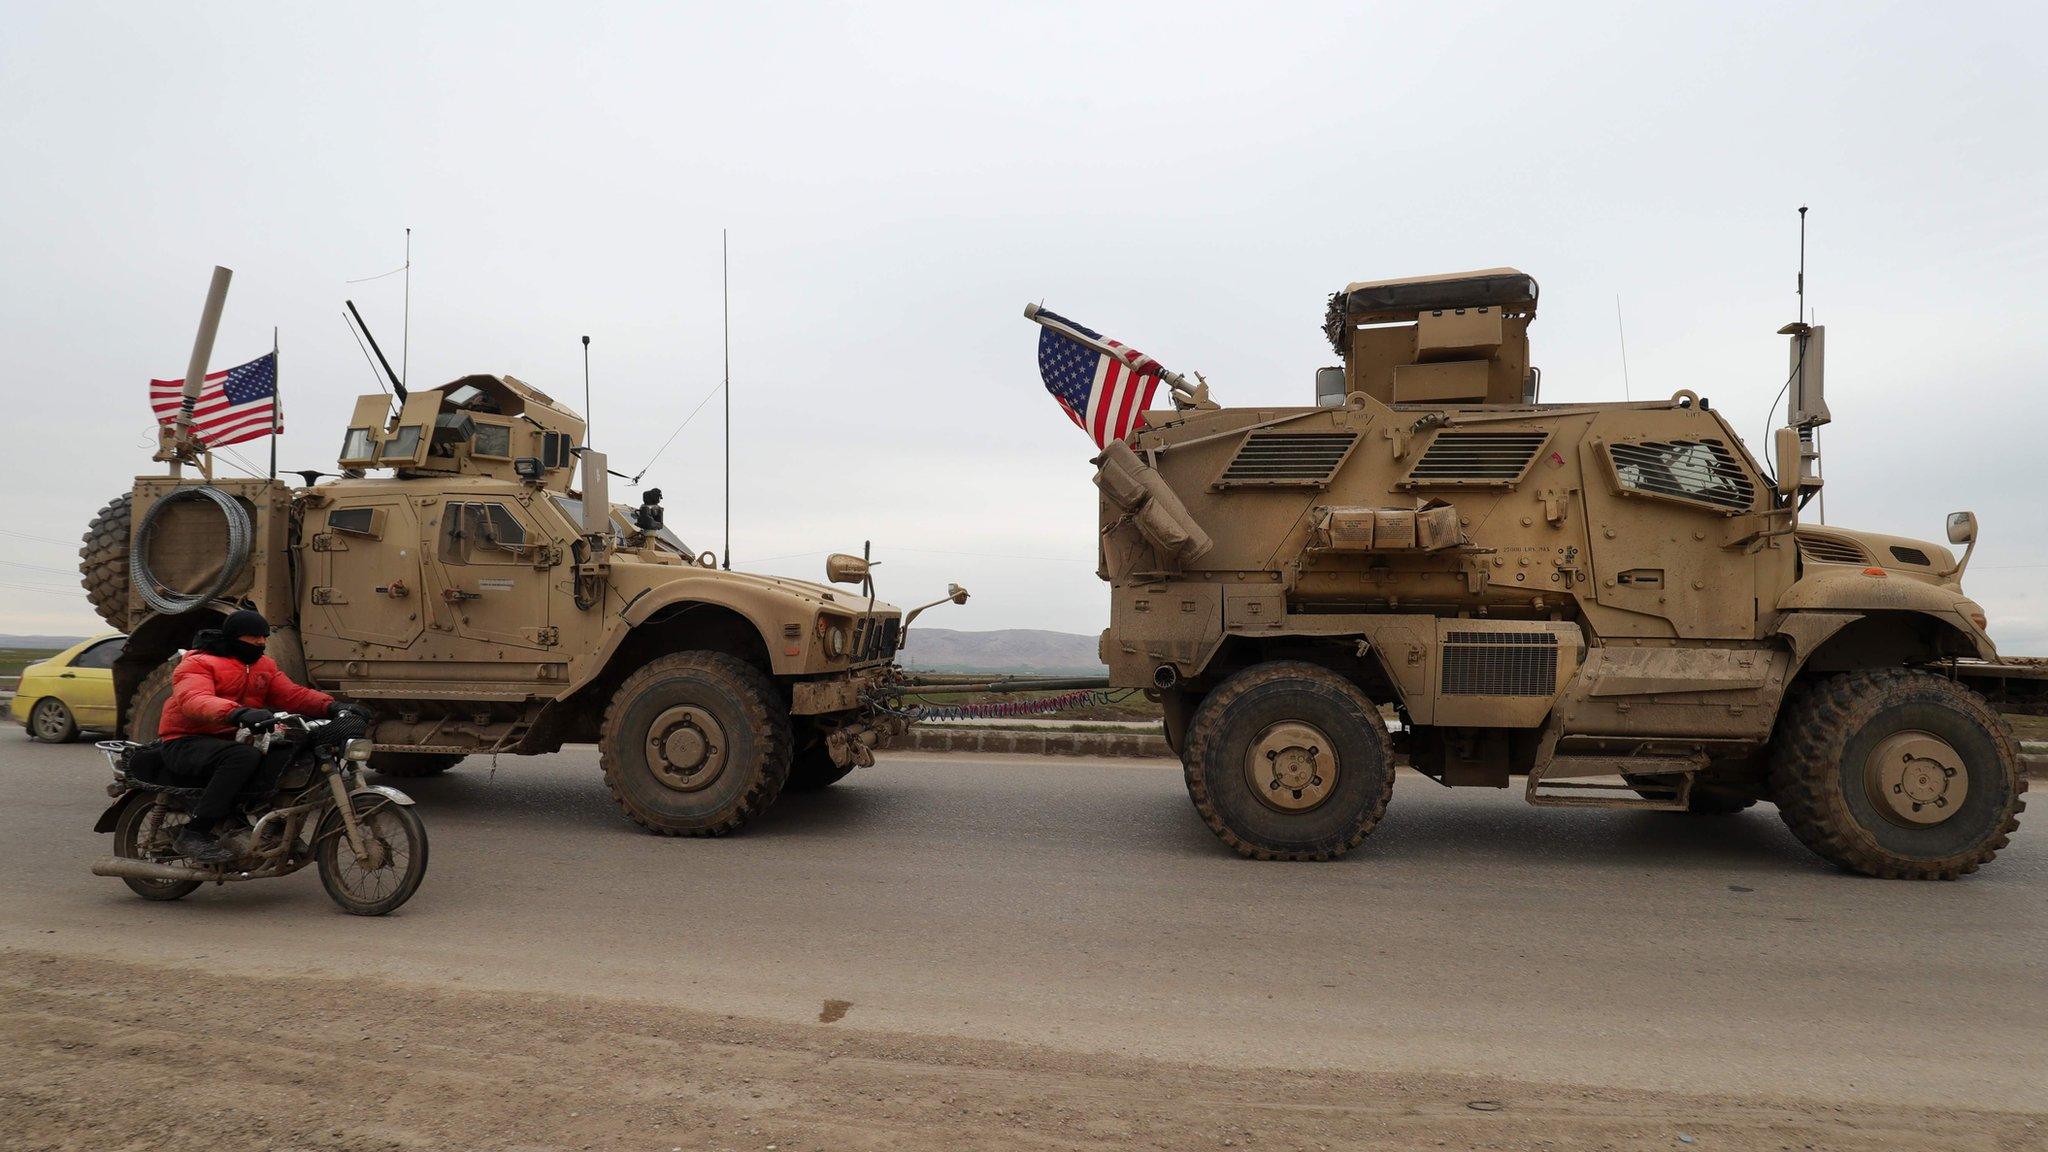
{"points": [[369, 844]]}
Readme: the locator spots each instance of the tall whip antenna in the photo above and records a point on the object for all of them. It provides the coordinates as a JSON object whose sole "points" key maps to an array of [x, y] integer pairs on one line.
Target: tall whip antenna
{"points": [[725, 292], [586, 389], [1623, 333], [405, 334]]}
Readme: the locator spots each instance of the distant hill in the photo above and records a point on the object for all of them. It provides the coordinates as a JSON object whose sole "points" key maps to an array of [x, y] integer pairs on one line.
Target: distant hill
{"points": [[1005, 650], [56, 643]]}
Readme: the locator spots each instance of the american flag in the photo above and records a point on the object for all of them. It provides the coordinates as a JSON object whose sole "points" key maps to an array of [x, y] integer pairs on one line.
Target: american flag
{"points": [[1105, 395], [236, 405]]}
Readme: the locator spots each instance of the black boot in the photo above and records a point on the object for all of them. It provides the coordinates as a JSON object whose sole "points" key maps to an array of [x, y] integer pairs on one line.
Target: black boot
{"points": [[200, 847]]}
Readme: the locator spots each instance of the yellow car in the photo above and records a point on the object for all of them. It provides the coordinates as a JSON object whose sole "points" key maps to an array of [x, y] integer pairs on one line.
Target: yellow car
{"points": [[73, 689]]}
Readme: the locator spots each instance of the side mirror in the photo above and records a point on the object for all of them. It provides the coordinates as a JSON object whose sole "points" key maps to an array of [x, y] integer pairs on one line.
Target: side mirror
{"points": [[841, 568], [1785, 446], [1962, 527], [956, 594]]}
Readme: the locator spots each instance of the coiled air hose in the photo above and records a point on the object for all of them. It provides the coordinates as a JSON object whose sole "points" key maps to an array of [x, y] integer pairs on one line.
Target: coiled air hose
{"points": [[241, 537]]}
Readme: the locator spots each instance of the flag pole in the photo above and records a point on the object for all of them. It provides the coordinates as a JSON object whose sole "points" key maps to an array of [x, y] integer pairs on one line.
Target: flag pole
{"points": [[276, 401], [1183, 392]]}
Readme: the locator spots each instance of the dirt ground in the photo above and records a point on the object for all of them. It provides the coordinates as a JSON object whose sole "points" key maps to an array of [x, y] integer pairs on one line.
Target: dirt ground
{"points": [[100, 1055]]}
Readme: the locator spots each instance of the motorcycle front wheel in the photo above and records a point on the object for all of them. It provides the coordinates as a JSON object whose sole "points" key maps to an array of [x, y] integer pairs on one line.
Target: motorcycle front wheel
{"points": [[389, 873], [144, 833]]}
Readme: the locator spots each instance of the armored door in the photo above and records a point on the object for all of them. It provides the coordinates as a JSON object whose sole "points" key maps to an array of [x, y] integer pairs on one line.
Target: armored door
{"points": [[363, 566], [1670, 498], [492, 570]]}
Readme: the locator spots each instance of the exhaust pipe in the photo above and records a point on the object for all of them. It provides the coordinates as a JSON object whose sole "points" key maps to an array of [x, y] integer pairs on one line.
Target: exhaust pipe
{"points": [[150, 870], [1166, 676]]}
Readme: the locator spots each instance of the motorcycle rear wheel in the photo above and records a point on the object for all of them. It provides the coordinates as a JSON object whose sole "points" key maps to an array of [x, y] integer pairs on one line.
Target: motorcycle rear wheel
{"points": [[144, 833], [402, 840]]}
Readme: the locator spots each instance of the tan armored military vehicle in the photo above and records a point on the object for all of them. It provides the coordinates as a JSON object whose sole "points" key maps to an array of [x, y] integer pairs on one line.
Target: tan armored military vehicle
{"points": [[1617, 602], [459, 584]]}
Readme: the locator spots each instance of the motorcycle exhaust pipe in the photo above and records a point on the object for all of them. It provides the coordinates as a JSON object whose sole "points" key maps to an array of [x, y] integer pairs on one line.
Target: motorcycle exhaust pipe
{"points": [[149, 870]]}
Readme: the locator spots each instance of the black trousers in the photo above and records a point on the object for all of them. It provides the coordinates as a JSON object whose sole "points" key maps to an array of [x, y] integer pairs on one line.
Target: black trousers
{"points": [[227, 767]]}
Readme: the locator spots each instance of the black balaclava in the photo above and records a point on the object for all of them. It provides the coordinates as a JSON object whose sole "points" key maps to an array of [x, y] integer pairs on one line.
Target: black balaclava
{"points": [[227, 639]]}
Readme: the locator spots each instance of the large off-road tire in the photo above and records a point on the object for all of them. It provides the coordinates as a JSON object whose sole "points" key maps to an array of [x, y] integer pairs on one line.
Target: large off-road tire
{"points": [[144, 832], [413, 765], [51, 722], [103, 560], [1288, 761], [811, 770], [146, 705], [695, 744], [1897, 773]]}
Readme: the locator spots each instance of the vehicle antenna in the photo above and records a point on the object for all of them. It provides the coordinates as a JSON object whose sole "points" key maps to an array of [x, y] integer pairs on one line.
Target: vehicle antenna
{"points": [[586, 389], [725, 294], [276, 402], [405, 335], [397, 385], [1623, 333]]}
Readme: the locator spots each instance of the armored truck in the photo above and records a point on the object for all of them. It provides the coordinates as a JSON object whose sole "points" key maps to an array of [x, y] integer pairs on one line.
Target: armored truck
{"points": [[1618, 604], [458, 581]]}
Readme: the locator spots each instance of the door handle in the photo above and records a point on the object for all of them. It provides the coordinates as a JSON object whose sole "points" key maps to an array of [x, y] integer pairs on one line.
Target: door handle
{"points": [[67, 676]]}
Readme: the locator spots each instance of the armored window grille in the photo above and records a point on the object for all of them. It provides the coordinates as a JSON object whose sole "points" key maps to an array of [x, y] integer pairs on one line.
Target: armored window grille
{"points": [[1693, 471], [1287, 459], [1911, 556], [1475, 459]]}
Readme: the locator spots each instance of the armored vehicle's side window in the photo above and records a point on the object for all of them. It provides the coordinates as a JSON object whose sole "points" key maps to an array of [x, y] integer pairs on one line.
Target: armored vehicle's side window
{"points": [[403, 445], [1697, 471], [481, 534], [356, 446], [354, 521], [492, 440]]}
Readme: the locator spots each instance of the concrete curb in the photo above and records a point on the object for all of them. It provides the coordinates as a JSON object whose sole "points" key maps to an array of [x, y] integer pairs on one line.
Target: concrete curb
{"points": [[925, 738], [922, 738]]}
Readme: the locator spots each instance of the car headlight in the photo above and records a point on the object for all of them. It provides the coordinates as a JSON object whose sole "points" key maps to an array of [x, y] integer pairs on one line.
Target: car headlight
{"points": [[357, 750], [835, 640]]}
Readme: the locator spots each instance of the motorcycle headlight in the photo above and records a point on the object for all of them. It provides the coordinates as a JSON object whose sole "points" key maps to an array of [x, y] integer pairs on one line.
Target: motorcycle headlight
{"points": [[357, 750]]}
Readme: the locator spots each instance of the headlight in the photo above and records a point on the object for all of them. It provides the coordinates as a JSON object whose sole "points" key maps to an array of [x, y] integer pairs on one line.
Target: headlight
{"points": [[835, 640], [357, 750]]}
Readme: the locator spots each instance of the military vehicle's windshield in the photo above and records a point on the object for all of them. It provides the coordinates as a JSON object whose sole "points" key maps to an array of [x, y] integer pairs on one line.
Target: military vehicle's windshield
{"points": [[622, 524]]}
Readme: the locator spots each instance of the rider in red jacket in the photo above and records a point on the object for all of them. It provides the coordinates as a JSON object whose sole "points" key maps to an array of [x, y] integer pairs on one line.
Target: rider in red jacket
{"points": [[223, 684]]}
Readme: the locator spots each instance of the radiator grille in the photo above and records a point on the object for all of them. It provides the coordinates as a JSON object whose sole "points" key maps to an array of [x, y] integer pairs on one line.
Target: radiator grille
{"points": [[874, 637], [1701, 471], [1476, 458], [1287, 459], [1500, 664], [1829, 550]]}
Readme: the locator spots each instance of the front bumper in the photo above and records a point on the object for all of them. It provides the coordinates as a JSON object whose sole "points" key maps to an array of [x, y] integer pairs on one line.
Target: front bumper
{"points": [[839, 692]]}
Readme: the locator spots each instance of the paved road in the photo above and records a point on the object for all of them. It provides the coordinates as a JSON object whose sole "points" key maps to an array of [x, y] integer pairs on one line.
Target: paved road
{"points": [[1081, 906]]}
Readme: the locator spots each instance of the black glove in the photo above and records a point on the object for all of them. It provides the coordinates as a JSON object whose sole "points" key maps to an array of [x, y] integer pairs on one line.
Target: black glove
{"points": [[252, 717], [341, 711]]}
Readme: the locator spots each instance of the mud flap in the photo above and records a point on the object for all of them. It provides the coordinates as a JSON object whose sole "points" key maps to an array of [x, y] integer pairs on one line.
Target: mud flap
{"points": [[112, 815]]}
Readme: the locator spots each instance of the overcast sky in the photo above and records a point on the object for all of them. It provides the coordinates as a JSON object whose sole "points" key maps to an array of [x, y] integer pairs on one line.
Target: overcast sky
{"points": [[899, 181]]}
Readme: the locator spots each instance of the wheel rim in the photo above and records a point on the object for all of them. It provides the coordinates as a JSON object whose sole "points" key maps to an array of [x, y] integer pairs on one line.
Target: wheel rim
{"points": [[377, 873], [1291, 767], [686, 748], [1915, 779], [50, 720]]}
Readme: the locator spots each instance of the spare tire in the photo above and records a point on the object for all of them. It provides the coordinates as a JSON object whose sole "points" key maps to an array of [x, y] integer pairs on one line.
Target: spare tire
{"points": [[103, 561]]}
